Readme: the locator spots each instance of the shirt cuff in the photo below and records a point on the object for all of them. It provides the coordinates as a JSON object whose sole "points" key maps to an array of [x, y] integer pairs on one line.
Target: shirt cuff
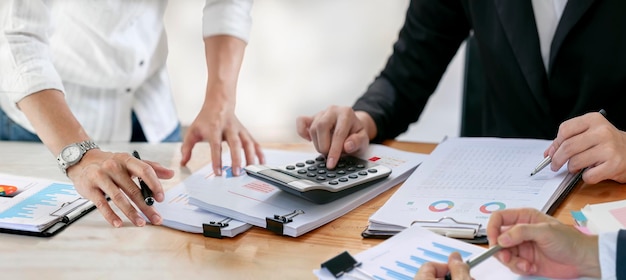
{"points": [[607, 246], [33, 77], [224, 17]]}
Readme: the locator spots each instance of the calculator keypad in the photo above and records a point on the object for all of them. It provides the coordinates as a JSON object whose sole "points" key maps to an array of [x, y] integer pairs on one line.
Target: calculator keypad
{"points": [[349, 169]]}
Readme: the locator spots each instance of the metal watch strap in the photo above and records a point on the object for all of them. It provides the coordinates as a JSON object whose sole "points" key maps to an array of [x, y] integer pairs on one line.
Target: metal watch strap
{"points": [[84, 146]]}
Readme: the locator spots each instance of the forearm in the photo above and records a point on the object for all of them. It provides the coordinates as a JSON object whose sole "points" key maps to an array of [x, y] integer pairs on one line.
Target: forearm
{"points": [[54, 122], [224, 55]]}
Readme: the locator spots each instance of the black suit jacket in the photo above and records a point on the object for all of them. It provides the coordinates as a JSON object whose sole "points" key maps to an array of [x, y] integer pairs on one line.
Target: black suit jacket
{"points": [[587, 68], [620, 259]]}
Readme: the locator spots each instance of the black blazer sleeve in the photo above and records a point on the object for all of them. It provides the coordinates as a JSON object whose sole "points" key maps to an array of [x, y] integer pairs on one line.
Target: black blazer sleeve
{"points": [[432, 33], [620, 258]]}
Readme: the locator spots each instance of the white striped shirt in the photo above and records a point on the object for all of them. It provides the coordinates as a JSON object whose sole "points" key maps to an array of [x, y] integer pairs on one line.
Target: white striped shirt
{"points": [[107, 56]]}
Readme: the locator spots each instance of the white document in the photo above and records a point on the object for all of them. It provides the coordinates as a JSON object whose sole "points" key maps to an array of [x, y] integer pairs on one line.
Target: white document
{"points": [[401, 256], [467, 179], [252, 201], [32, 204], [178, 214], [605, 217]]}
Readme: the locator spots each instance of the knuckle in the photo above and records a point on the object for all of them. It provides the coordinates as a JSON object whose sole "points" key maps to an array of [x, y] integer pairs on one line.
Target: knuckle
{"points": [[118, 197]]}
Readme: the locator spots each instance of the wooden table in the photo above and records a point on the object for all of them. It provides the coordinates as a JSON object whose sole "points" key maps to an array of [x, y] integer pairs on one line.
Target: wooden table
{"points": [[92, 249]]}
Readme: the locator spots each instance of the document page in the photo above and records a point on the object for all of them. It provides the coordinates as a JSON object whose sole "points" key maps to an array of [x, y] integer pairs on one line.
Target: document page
{"points": [[251, 201], [401, 256], [469, 178], [33, 204]]}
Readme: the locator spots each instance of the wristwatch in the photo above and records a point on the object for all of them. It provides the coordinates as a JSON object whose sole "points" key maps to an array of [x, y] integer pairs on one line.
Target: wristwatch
{"points": [[73, 153]]}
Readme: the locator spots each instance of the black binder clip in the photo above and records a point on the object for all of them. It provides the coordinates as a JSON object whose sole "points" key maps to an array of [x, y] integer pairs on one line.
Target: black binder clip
{"points": [[342, 264], [276, 224], [214, 229]]}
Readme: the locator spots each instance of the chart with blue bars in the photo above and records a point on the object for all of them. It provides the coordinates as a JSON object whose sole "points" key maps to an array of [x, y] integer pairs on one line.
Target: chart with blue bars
{"points": [[406, 268], [400, 258], [41, 203]]}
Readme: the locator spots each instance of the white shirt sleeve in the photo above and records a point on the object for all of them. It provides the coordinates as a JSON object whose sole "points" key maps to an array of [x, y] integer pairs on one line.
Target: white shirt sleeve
{"points": [[607, 249], [227, 17], [24, 51]]}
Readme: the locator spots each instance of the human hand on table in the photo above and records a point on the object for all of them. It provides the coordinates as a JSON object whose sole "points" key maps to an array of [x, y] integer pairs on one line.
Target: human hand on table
{"points": [[458, 269], [102, 174], [537, 244], [590, 141], [337, 130], [215, 124]]}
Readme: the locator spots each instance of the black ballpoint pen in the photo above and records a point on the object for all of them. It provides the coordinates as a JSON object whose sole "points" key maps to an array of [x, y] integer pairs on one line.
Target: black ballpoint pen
{"points": [[146, 192], [547, 160]]}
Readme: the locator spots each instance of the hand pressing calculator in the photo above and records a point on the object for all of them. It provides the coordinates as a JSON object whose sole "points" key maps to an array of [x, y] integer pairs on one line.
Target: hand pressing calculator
{"points": [[312, 180]]}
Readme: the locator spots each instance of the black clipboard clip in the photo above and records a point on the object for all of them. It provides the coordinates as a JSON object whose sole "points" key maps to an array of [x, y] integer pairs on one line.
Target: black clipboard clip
{"points": [[276, 224], [214, 229], [344, 263], [449, 227]]}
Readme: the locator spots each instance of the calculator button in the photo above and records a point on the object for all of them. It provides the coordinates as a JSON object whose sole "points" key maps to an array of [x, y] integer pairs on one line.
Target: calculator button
{"points": [[372, 170], [341, 172], [343, 179], [311, 168], [310, 161], [299, 164], [351, 169], [320, 178], [321, 171], [360, 166], [362, 173], [320, 158], [311, 174], [352, 176], [341, 165], [290, 167], [333, 182], [322, 165], [302, 171], [331, 175]]}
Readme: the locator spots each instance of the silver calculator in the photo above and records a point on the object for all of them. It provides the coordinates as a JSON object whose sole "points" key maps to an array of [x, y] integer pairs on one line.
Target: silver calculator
{"points": [[312, 180]]}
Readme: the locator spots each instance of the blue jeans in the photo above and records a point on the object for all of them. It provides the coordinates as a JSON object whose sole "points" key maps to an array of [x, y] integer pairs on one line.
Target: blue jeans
{"points": [[11, 131]]}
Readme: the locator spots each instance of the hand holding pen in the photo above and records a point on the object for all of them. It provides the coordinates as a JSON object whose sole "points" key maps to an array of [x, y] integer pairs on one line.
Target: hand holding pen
{"points": [[145, 190], [475, 261], [589, 143]]}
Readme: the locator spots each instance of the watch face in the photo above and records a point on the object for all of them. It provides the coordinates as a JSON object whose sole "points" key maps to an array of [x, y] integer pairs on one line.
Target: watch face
{"points": [[71, 154]]}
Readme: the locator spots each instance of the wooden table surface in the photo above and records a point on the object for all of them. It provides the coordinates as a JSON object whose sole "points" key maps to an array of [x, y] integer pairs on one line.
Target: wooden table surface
{"points": [[92, 249]]}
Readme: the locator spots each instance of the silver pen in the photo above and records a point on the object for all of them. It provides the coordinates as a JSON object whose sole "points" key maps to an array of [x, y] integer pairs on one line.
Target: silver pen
{"points": [[478, 259], [547, 160], [485, 255]]}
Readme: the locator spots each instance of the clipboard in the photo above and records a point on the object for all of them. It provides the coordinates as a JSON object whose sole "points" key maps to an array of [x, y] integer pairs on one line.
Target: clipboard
{"points": [[423, 196], [39, 207], [66, 214], [446, 226]]}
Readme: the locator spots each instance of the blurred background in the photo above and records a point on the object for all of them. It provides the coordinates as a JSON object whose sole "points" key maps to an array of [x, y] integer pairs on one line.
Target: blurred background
{"points": [[302, 57]]}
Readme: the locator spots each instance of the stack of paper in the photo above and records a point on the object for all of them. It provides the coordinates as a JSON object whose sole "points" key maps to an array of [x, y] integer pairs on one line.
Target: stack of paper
{"points": [[603, 217], [401, 256], [252, 201], [178, 214], [465, 179]]}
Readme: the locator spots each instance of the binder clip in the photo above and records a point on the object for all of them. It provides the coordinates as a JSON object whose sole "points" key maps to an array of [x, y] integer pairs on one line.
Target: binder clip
{"points": [[276, 224], [342, 264], [214, 229], [453, 229]]}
